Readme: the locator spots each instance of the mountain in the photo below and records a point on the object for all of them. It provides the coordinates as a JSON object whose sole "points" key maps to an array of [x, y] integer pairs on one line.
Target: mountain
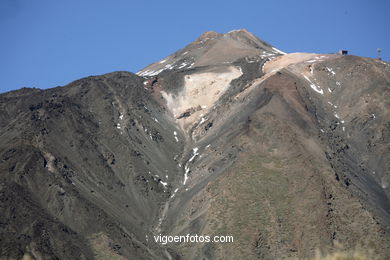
{"points": [[287, 153]]}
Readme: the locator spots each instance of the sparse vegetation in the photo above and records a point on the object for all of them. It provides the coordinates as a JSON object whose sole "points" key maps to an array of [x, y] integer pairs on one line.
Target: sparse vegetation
{"points": [[100, 244]]}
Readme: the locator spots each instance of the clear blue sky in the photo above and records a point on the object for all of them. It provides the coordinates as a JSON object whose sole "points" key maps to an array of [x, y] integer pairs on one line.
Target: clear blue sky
{"points": [[46, 43]]}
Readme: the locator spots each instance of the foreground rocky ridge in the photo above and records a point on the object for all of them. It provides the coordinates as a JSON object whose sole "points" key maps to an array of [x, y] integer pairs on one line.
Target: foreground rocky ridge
{"points": [[288, 153]]}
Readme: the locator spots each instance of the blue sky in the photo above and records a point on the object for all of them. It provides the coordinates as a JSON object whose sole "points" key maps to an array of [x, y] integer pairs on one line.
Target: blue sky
{"points": [[47, 43]]}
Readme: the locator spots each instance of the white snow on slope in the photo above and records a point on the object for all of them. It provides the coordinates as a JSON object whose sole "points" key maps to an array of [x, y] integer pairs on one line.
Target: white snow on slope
{"points": [[331, 71], [314, 87], [277, 50], [187, 170], [175, 135], [174, 192], [195, 153]]}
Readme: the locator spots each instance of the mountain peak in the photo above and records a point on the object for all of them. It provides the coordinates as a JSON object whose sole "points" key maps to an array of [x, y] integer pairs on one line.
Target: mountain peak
{"points": [[213, 34], [208, 35], [239, 31], [213, 48]]}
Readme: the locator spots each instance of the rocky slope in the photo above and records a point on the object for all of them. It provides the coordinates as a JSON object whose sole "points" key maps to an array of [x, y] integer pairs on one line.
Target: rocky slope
{"points": [[289, 153]]}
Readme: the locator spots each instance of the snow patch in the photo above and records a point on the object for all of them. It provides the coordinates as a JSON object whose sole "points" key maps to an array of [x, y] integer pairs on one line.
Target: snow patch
{"points": [[175, 135], [330, 103], [187, 170], [331, 71], [149, 73], [267, 55], [169, 66], [174, 192], [314, 87], [277, 50], [182, 65], [195, 153]]}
